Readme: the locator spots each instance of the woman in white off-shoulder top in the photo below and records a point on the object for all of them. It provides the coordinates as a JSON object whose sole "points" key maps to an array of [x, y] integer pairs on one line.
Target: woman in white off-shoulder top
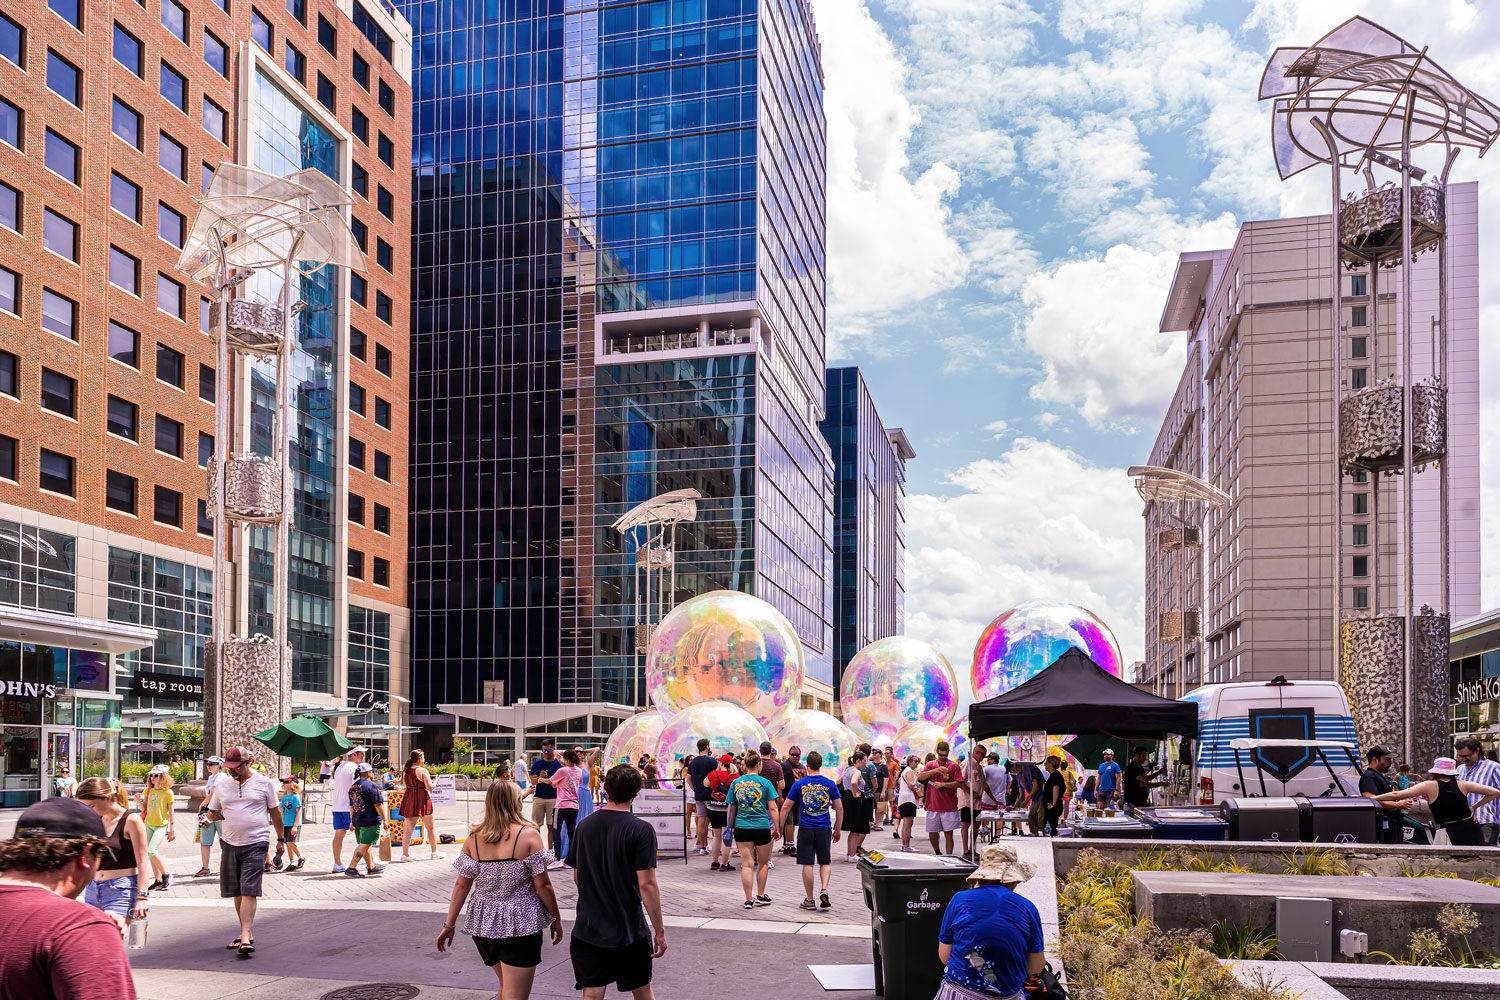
{"points": [[502, 872]]}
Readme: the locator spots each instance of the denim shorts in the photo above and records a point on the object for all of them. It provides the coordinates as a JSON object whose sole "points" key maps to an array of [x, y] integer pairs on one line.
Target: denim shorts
{"points": [[112, 895], [207, 833]]}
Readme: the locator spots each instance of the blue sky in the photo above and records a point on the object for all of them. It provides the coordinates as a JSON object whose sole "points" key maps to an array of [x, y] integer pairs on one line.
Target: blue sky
{"points": [[1009, 185]]}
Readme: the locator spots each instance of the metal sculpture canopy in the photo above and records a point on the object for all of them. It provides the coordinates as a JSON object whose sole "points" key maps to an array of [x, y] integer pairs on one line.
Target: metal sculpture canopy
{"points": [[1360, 80], [1158, 483], [262, 220], [665, 508]]}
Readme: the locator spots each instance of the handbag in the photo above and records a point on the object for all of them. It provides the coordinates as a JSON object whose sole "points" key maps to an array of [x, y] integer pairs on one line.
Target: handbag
{"points": [[1044, 986]]}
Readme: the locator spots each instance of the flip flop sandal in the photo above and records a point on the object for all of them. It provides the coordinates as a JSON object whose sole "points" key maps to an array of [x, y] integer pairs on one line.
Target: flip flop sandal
{"points": [[247, 948], [231, 946]]}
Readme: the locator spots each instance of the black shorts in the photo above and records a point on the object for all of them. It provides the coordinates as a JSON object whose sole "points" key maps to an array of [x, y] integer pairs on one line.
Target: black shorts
{"points": [[966, 815], [857, 815], [718, 818], [908, 810], [522, 952], [629, 968], [814, 847], [790, 819], [743, 835], [291, 837], [241, 868]]}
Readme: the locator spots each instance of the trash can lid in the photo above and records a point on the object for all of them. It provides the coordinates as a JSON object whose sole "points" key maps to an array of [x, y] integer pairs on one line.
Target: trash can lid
{"points": [[916, 862]]}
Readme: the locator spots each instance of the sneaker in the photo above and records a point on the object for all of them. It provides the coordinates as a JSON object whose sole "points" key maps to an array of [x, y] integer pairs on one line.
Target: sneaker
{"points": [[749, 905], [154, 886], [437, 856], [895, 834], [824, 902], [403, 859], [338, 869], [554, 866], [770, 864], [850, 858], [201, 872], [298, 865], [910, 850], [377, 869], [762, 900], [876, 828], [808, 904], [353, 872], [166, 882]]}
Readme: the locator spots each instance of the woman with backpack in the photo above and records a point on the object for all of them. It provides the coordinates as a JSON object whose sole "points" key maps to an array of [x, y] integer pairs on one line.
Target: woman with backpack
{"points": [[718, 782]]}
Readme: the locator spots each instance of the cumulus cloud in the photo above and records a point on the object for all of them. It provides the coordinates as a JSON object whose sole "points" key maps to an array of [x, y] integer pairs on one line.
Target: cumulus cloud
{"points": [[1039, 521], [888, 242]]}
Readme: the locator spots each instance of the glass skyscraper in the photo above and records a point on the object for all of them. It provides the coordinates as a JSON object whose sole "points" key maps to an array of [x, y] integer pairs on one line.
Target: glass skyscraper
{"points": [[619, 266]]}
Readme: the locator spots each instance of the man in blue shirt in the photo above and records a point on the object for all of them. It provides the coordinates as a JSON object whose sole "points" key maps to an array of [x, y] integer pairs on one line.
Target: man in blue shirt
{"points": [[820, 813], [1109, 779], [991, 939], [544, 805]]}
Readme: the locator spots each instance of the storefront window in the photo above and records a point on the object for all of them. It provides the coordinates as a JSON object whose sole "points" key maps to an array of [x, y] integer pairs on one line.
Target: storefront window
{"points": [[98, 753], [20, 766], [96, 713]]}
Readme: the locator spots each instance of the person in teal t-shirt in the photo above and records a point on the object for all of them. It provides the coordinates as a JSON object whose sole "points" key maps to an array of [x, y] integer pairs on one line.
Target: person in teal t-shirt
{"points": [[291, 821], [752, 816]]}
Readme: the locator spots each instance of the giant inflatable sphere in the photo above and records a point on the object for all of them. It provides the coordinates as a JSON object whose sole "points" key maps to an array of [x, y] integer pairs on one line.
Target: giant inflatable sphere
{"points": [[921, 738], [809, 730], [895, 681], [725, 646], [1029, 638], [957, 736], [728, 729], [637, 735]]}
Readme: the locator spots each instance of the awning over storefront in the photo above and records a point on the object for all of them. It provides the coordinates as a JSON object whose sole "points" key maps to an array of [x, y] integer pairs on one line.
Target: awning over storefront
{"points": [[48, 628], [535, 715]]}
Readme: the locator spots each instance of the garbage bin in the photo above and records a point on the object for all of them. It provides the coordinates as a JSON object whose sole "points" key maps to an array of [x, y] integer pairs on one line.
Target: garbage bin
{"points": [[907, 894], [1184, 823], [1277, 818], [1341, 820]]}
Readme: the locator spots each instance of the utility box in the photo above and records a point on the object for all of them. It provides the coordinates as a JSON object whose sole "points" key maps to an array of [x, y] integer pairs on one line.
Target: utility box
{"points": [[1304, 929]]}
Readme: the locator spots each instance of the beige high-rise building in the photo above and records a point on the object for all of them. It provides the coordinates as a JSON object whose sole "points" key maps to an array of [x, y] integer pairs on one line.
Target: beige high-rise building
{"points": [[1253, 416]]}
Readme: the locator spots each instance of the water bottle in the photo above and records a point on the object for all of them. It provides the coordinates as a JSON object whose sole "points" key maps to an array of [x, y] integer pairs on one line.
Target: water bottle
{"points": [[135, 935]]}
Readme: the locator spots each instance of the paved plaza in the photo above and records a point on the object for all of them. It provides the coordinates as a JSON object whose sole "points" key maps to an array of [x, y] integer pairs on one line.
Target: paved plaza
{"points": [[319, 931]]}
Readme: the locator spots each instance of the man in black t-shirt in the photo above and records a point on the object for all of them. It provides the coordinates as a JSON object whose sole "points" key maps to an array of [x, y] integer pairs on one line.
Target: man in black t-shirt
{"points": [[1136, 780], [613, 857], [1374, 782], [698, 770]]}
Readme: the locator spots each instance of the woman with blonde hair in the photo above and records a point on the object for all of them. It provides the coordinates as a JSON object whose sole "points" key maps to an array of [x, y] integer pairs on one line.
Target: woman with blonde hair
{"points": [[504, 863], [416, 804], [116, 887], [156, 806]]}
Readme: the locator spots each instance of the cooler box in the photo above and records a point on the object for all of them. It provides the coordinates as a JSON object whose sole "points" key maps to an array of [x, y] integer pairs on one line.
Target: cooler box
{"points": [[1340, 820], [1275, 818], [1184, 823], [907, 894], [1117, 827]]}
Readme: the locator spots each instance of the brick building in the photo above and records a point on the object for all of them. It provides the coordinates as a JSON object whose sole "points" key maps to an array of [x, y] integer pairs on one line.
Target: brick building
{"points": [[112, 119]]}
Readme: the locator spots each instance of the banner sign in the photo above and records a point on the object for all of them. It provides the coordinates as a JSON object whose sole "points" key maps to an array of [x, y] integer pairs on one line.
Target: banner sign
{"points": [[444, 790], [179, 686]]}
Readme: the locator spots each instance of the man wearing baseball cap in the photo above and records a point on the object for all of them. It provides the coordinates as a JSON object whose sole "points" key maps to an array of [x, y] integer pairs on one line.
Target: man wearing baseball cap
{"points": [[247, 804], [53, 947], [207, 831], [344, 777], [1375, 782]]}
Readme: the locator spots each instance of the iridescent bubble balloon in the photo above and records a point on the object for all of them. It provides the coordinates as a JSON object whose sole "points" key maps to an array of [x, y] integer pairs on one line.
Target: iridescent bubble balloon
{"points": [[809, 730], [1036, 748], [892, 682], [1028, 638], [639, 734], [728, 728], [725, 646], [921, 738], [957, 736]]}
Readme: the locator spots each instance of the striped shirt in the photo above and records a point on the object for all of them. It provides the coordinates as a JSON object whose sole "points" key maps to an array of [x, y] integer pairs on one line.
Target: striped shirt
{"points": [[1483, 772]]}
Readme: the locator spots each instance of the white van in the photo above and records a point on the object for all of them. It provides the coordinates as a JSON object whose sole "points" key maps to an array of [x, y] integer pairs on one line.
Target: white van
{"points": [[1307, 728]]}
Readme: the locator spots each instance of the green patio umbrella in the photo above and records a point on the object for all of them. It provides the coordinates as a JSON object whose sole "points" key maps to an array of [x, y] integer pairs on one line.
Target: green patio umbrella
{"points": [[1089, 749], [305, 737]]}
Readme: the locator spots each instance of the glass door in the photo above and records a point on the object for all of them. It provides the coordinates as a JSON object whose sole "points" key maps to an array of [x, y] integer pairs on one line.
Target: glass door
{"points": [[58, 765]]}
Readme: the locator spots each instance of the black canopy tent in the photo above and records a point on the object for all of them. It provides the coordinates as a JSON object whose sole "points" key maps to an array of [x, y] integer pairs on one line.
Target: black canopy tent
{"points": [[1074, 695]]}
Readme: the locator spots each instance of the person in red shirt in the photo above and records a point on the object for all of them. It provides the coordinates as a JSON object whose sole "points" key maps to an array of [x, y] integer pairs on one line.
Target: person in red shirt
{"points": [[53, 947], [942, 778]]}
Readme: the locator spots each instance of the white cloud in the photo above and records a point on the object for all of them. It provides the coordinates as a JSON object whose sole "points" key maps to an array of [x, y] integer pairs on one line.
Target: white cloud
{"points": [[999, 428], [1093, 322], [1039, 521], [888, 243]]}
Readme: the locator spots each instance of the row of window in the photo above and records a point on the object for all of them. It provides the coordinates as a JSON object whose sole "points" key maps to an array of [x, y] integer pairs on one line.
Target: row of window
{"points": [[381, 521], [357, 405], [382, 465], [380, 568]]}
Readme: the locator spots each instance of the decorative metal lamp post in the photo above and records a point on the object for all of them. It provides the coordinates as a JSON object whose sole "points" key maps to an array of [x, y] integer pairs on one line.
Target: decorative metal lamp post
{"points": [[250, 222], [1177, 495], [1361, 99], [650, 530]]}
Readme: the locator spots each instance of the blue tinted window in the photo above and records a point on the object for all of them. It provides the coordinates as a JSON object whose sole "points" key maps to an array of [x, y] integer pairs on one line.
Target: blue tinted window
{"points": [[10, 123], [174, 87], [127, 51], [68, 10], [12, 39], [63, 79]]}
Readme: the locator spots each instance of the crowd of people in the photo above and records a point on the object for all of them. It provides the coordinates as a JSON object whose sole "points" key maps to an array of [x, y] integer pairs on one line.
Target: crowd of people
{"points": [[92, 843]]}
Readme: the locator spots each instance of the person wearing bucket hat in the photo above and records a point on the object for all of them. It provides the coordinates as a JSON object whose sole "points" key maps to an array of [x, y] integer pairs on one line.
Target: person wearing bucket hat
{"points": [[1450, 799], [990, 942], [156, 801]]}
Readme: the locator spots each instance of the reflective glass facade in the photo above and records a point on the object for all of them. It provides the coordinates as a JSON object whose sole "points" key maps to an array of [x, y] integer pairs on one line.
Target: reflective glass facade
{"points": [[577, 164], [869, 518], [288, 139], [369, 663]]}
